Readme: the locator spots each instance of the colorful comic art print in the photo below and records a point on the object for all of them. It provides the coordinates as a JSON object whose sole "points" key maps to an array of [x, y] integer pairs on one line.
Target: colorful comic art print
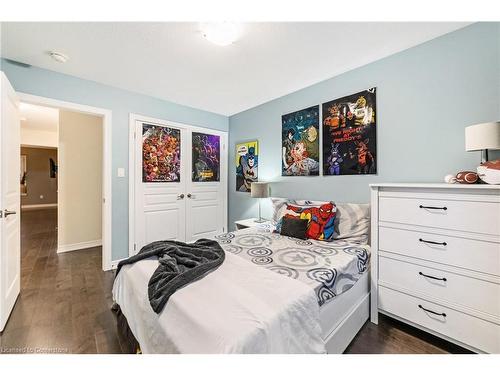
{"points": [[247, 160], [161, 150], [300, 143], [350, 135], [206, 157]]}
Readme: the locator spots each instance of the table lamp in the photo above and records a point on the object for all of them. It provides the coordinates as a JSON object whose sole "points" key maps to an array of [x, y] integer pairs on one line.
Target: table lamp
{"points": [[259, 190], [483, 137]]}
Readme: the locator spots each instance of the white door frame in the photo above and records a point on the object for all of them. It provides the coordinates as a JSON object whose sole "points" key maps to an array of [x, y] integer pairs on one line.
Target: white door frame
{"points": [[133, 117], [106, 162]]}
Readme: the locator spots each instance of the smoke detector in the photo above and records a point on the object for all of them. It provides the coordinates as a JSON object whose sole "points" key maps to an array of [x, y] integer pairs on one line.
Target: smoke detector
{"points": [[59, 57]]}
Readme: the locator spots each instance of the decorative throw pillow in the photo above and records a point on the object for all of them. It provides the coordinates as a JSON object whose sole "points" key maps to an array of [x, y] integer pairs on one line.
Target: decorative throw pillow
{"points": [[294, 227], [319, 215]]}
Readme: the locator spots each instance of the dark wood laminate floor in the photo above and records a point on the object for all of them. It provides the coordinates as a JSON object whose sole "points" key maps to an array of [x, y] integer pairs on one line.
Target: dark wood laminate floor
{"points": [[65, 304], [65, 299], [393, 337]]}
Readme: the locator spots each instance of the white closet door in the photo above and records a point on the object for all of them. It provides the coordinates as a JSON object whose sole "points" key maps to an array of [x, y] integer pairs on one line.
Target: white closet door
{"points": [[206, 189], [161, 151]]}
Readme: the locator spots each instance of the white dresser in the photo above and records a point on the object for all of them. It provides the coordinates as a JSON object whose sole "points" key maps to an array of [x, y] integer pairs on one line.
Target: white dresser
{"points": [[436, 260]]}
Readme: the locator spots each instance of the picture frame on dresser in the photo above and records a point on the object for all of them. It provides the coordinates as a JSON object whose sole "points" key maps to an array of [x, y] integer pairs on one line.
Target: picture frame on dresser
{"points": [[435, 261]]}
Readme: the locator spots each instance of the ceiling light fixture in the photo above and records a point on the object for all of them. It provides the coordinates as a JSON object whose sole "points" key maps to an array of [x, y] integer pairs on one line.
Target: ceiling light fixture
{"points": [[59, 57], [221, 33]]}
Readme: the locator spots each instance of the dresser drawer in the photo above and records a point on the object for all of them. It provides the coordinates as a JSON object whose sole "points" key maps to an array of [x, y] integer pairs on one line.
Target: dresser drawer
{"points": [[481, 256], [462, 290], [464, 328], [466, 215]]}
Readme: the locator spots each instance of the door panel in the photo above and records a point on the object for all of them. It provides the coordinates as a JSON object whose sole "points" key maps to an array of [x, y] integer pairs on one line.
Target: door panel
{"points": [[205, 219], [163, 213], [206, 200], [157, 230], [10, 255], [159, 188]]}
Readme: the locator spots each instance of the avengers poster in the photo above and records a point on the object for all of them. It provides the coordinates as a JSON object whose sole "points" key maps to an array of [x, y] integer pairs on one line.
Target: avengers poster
{"points": [[161, 150], [349, 135], [300, 143], [247, 160], [206, 157]]}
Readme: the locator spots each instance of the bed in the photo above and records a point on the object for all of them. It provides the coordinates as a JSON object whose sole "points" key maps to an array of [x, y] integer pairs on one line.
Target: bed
{"points": [[338, 272], [278, 293]]}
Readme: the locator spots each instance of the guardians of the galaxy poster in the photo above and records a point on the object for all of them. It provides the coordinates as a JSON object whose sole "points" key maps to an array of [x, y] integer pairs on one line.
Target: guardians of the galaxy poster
{"points": [[206, 157], [247, 155], [349, 135], [161, 150], [300, 143]]}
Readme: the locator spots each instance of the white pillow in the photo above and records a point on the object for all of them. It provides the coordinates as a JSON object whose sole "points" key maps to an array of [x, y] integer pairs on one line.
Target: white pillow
{"points": [[352, 222], [279, 206]]}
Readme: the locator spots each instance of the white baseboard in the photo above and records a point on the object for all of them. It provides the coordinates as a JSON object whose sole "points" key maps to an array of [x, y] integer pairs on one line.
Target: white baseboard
{"points": [[27, 207], [78, 246], [114, 264]]}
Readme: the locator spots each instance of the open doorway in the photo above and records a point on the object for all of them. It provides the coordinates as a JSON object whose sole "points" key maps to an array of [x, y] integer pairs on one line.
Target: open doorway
{"points": [[77, 218], [61, 184]]}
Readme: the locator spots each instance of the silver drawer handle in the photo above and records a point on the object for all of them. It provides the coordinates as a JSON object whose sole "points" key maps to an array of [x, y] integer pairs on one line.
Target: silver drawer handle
{"points": [[432, 312]]}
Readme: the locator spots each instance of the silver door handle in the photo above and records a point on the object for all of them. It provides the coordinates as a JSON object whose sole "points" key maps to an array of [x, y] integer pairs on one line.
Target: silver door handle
{"points": [[189, 195], [180, 196], [7, 213]]}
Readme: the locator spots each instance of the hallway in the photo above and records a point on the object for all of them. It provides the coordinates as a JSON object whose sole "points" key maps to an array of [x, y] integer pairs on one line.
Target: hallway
{"points": [[65, 300]]}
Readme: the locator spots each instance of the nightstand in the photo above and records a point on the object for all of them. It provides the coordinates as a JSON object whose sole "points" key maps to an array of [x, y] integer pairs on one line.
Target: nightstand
{"points": [[250, 223]]}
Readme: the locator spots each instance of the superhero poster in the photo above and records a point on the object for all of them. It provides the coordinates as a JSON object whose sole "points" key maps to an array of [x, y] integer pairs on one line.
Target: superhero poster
{"points": [[349, 135], [206, 157], [161, 149], [247, 160], [300, 143]]}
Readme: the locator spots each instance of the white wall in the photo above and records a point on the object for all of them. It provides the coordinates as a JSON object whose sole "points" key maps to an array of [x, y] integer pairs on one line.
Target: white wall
{"points": [[40, 138], [80, 181]]}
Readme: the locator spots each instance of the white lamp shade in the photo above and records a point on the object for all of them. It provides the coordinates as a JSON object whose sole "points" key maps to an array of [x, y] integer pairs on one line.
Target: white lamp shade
{"points": [[482, 136], [259, 190]]}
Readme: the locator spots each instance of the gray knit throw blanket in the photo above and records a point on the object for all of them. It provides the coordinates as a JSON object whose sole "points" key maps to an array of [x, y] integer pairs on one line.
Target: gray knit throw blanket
{"points": [[180, 265]]}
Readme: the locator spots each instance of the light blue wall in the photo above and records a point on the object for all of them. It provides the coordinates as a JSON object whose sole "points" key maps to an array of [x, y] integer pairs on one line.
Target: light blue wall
{"points": [[50, 84], [426, 96]]}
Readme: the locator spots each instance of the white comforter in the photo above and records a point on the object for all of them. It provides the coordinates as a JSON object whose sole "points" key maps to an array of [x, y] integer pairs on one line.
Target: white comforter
{"points": [[238, 308]]}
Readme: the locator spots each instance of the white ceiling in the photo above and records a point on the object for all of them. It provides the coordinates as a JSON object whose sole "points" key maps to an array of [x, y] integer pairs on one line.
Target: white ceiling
{"points": [[174, 62], [35, 117]]}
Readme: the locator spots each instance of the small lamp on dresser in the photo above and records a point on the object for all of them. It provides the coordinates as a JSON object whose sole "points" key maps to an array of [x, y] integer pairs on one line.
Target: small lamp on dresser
{"points": [[483, 137], [259, 190]]}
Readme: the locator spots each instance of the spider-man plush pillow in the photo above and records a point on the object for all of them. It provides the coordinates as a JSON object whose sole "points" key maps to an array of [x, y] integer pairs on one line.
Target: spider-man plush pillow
{"points": [[320, 217]]}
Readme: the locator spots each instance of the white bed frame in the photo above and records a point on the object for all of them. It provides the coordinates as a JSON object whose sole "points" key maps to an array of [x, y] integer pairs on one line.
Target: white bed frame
{"points": [[342, 318]]}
